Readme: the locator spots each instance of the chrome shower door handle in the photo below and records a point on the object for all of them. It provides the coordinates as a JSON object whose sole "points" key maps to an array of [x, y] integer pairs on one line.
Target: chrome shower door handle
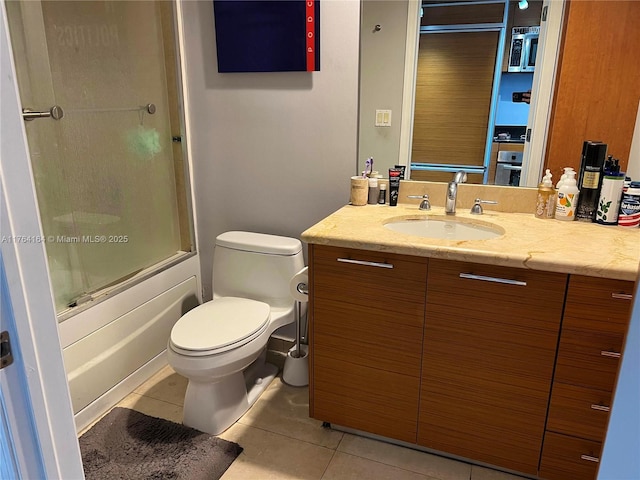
{"points": [[54, 112]]}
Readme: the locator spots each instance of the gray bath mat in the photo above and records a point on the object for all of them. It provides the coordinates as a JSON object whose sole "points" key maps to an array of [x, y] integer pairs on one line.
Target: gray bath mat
{"points": [[126, 444]]}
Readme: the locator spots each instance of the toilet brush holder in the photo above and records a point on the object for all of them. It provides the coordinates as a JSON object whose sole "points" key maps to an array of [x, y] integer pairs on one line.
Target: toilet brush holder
{"points": [[296, 368]]}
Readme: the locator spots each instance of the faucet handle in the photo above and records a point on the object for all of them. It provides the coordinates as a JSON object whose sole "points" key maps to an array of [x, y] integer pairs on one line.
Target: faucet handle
{"points": [[477, 208], [424, 205]]}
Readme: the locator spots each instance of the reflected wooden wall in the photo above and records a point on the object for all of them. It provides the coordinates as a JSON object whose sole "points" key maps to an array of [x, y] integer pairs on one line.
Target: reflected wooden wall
{"points": [[598, 83]]}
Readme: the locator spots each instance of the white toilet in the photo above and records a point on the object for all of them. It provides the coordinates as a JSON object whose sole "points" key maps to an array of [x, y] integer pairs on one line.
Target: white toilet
{"points": [[220, 346]]}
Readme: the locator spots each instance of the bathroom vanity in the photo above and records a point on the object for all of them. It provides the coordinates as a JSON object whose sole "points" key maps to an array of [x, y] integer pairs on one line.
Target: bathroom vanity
{"points": [[502, 351]]}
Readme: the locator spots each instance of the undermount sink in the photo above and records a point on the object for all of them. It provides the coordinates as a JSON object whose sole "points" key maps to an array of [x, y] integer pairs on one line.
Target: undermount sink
{"points": [[445, 228]]}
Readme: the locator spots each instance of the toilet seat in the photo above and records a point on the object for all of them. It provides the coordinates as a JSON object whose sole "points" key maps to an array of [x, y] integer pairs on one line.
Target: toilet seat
{"points": [[219, 325]]}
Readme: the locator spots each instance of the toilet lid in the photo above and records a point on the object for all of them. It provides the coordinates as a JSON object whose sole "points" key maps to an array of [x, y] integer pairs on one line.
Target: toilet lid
{"points": [[220, 323]]}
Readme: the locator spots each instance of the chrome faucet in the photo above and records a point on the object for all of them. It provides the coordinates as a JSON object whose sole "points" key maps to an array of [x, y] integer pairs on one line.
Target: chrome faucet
{"points": [[452, 192], [424, 204]]}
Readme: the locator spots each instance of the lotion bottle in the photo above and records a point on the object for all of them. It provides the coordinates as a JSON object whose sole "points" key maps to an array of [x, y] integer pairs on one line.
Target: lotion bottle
{"points": [[545, 203], [567, 198], [564, 176]]}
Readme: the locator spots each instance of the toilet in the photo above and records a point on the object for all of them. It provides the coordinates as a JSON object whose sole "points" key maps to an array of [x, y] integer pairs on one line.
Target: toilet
{"points": [[220, 346]]}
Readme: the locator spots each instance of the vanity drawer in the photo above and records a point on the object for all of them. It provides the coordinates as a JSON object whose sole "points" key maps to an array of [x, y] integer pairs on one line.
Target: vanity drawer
{"points": [[388, 281], [569, 458], [578, 411], [518, 297], [588, 359], [597, 304]]}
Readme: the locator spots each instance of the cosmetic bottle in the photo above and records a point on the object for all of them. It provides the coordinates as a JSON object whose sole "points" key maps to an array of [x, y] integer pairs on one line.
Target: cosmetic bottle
{"points": [[545, 202], [629, 215], [568, 195], [590, 178], [564, 176], [610, 194], [372, 198], [382, 194], [394, 186]]}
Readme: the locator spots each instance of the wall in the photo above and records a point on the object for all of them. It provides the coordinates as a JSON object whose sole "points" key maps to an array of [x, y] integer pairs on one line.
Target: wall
{"points": [[382, 55], [271, 152], [633, 169]]}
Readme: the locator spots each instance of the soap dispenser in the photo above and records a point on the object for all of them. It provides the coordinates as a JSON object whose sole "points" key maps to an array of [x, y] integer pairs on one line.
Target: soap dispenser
{"points": [[567, 198], [564, 176], [545, 203]]}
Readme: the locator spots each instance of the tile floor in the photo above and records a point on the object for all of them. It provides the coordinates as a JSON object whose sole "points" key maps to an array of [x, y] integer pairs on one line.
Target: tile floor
{"points": [[280, 441]]}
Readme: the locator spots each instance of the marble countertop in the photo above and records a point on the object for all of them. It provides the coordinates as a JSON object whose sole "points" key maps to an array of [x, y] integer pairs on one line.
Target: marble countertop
{"points": [[528, 242]]}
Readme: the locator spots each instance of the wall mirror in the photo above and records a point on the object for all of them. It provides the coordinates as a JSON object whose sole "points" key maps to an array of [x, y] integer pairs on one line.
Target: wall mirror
{"points": [[437, 84]]}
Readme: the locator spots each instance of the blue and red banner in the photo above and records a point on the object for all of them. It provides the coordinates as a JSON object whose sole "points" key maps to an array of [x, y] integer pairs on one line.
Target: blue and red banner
{"points": [[267, 35]]}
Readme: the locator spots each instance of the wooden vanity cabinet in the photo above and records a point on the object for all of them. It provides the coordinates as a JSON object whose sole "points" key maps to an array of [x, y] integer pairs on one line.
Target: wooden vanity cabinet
{"points": [[489, 347], [477, 361], [367, 320], [596, 318]]}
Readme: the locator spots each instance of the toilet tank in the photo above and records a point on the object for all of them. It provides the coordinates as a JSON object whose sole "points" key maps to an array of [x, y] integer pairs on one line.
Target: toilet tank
{"points": [[256, 266]]}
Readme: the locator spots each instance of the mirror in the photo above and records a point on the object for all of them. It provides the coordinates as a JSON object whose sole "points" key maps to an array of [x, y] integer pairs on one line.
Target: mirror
{"points": [[389, 66]]}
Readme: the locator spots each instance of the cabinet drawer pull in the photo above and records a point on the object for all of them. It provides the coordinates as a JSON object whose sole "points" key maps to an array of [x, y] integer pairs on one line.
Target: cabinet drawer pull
{"points": [[364, 262], [600, 408], [605, 353], [508, 281], [589, 458], [622, 296]]}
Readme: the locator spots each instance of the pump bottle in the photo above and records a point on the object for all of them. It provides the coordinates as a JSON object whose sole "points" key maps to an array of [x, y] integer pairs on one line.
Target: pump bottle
{"points": [[545, 202], [567, 198]]}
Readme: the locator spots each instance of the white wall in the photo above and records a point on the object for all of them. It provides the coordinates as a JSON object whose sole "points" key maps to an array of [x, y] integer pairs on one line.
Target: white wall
{"points": [[382, 55], [272, 152], [633, 168]]}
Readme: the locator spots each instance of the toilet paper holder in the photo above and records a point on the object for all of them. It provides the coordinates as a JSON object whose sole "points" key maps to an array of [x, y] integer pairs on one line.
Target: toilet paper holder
{"points": [[302, 288]]}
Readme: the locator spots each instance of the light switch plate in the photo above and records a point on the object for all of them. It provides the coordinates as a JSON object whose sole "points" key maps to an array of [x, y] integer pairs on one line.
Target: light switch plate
{"points": [[383, 118]]}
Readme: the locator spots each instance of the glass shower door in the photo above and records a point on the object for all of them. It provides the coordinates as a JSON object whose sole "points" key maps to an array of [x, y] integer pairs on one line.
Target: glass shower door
{"points": [[106, 160]]}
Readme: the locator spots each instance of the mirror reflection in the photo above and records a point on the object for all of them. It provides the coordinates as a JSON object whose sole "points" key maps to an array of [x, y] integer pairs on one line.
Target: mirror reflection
{"points": [[474, 67]]}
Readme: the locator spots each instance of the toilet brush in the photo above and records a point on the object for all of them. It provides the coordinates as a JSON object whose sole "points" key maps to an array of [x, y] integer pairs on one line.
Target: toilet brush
{"points": [[296, 366]]}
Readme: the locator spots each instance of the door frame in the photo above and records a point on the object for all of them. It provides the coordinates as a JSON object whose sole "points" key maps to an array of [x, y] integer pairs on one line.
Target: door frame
{"points": [[25, 262]]}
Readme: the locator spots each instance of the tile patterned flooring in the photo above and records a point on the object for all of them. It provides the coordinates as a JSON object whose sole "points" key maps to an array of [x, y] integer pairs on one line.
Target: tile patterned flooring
{"points": [[280, 441]]}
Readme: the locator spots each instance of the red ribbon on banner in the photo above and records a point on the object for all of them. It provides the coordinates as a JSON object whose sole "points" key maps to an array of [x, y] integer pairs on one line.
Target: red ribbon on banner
{"points": [[311, 34]]}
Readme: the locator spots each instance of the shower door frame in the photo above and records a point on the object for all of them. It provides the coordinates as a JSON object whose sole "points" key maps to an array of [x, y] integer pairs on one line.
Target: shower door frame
{"points": [[95, 294], [97, 314]]}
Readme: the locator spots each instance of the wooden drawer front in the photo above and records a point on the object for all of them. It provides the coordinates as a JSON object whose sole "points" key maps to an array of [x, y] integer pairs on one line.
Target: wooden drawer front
{"points": [[365, 398], [400, 289], [567, 458], [588, 359], [539, 303], [597, 304], [578, 411], [369, 336], [488, 359]]}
